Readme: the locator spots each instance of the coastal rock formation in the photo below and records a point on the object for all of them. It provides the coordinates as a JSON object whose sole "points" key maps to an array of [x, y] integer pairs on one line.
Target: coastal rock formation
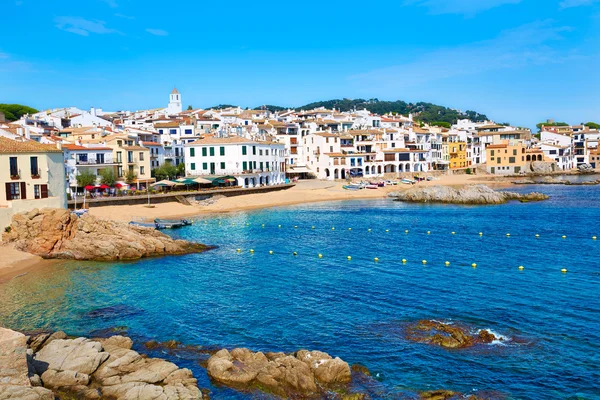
{"points": [[304, 373], [58, 233], [87, 369], [14, 369], [470, 194], [542, 167], [447, 335]]}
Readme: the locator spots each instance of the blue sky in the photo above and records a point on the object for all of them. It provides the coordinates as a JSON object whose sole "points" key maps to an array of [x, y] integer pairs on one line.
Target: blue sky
{"points": [[520, 61]]}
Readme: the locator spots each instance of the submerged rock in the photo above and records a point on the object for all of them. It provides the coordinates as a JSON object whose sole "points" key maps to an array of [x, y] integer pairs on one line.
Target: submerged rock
{"points": [[446, 335], [305, 373], [58, 233], [470, 194]]}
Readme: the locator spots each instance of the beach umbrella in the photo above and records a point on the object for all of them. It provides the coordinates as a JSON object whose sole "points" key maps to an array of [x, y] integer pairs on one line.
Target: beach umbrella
{"points": [[104, 187], [120, 185], [202, 181], [163, 183], [90, 187]]}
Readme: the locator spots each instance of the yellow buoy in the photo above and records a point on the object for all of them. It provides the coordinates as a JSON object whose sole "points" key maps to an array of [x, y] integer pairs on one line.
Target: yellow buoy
{"points": [[349, 229], [369, 230], [403, 261], [239, 250], [429, 232], [521, 267], [454, 233], [332, 228], [349, 258], [270, 251], [233, 224], [247, 224], [480, 233], [424, 261], [508, 234], [563, 270], [295, 253], [312, 227], [296, 227], [376, 259], [564, 236], [447, 263], [387, 230], [406, 231], [263, 225], [279, 226], [251, 250], [474, 265], [537, 236], [320, 255], [593, 237]]}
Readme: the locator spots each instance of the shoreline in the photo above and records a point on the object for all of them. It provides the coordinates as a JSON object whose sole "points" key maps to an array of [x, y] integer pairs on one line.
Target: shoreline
{"points": [[16, 263]]}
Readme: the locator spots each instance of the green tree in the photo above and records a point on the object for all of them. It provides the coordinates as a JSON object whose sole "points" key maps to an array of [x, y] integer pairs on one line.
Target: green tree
{"points": [[539, 126], [107, 177], [442, 124], [86, 178], [592, 125], [180, 169], [13, 112], [190, 108], [130, 176]]}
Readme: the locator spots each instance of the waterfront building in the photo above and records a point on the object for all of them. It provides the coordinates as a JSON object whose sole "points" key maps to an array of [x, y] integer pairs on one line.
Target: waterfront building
{"points": [[90, 158], [506, 158], [32, 175], [252, 163]]}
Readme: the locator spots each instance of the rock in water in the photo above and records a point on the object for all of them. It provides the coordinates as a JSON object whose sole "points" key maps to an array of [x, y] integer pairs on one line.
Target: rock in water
{"points": [[447, 335], [58, 233], [305, 373], [470, 194]]}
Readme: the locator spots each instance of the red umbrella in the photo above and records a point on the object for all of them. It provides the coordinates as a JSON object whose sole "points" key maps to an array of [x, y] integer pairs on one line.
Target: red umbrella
{"points": [[120, 185], [90, 187], [104, 187]]}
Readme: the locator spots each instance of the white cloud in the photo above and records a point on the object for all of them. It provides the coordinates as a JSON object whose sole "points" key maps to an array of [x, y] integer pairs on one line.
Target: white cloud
{"points": [[576, 3], [124, 16], [514, 48], [157, 32], [83, 27], [466, 7]]}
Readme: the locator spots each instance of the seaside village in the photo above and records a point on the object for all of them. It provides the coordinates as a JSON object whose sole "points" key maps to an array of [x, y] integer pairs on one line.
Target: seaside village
{"points": [[45, 155]]}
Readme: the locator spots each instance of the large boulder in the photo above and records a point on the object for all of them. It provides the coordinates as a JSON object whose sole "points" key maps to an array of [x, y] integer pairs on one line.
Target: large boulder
{"points": [[58, 233], [448, 335], [304, 373], [469, 194]]}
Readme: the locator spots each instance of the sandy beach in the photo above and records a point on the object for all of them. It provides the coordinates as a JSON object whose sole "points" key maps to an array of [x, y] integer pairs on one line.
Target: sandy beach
{"points": [[14, 263]]}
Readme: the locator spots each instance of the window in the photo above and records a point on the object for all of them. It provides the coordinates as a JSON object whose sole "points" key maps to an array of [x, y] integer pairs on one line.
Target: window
{"points": [[204, 152], [212, 151], [499, 159], [119, 158], [266, 152], [173, 131], [193, 166], [142, 171], [244, 166], [222, 151], [141, 156], [260, 152], [204, 166], [514, 152], [244, 150], [492, 153], [15, 190], [188, 131], [14, 167], [511, 160], [261, 166], [160, 131], [253, 150], [36, 191], [222, 165], [33, 161], [119, 171], [40, 191], [130, 156], [192, 152]]}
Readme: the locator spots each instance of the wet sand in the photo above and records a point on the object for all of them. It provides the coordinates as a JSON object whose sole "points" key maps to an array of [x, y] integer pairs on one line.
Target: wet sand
{"points": [[14, 263]]}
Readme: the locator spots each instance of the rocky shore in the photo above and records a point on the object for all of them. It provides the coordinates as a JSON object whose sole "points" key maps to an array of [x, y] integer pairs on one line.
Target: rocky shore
{"points": [[470, 194], [58, 233]]}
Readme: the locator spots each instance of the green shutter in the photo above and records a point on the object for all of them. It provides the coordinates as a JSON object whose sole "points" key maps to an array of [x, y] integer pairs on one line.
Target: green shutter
{"points": [[193, 166], [244, 164], [222, 150], [223, 165], [254, 150], [212, 151], [192, 152], [261, 166], [243, 150], [204, 165], [204, 152]]}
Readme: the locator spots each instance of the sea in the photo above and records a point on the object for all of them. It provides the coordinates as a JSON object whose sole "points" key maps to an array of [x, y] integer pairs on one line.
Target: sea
{"points": [[306, 277]]}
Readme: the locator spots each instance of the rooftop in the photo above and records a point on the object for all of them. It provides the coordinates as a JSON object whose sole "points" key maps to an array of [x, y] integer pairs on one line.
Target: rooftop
{"points": [[9, 146]]}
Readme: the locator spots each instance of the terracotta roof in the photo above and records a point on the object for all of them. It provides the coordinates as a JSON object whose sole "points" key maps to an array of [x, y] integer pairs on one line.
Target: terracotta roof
{"points": [[151, 144], [134, 148], [167, 125], [77, 147], [497, 146], [175, 91], [208, 140], [9, 146]]}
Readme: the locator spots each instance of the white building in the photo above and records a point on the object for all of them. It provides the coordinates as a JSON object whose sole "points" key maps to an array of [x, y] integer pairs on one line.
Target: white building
{"points": [[92, 158], [174, 106], [252, 163]]}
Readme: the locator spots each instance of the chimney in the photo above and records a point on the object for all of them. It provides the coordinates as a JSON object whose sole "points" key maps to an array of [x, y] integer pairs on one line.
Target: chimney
{"points": [[59, 145]]}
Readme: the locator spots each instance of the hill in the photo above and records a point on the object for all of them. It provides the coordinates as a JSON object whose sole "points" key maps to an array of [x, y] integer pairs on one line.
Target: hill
{"points": [[425, 112], [13, 112]]}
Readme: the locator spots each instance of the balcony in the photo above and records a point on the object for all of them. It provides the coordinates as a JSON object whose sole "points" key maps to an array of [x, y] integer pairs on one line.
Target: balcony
{"points": [[96, 161], [131, 160]]}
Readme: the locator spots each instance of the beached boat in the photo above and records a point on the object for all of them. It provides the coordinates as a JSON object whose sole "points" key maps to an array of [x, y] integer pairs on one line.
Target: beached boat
{"points": [[371, 186], [391, 183], [172, 223], [352, 187], [408, 181]]}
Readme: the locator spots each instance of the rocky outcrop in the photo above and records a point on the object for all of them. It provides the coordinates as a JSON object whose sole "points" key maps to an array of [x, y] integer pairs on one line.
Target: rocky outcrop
{"points": [[542, 167], [86, 369], [15, 373], [470, 194], [58, 233], [447, 335], [305, 373]]}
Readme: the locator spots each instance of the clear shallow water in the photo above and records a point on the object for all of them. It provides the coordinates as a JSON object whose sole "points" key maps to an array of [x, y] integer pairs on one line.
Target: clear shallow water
{"points": [[355, 308]]}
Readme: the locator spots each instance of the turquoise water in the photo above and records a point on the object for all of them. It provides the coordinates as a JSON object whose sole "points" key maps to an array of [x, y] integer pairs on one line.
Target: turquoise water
{"points": [[355, 309]]}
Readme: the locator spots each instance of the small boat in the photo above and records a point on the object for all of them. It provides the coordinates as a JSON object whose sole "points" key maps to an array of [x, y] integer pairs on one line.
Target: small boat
{"points": [[407, 181], [352, 187], [371, 186], [80, 212], [172, 223], [153, 225], [419, 179], [429, 178], [389, 183]]}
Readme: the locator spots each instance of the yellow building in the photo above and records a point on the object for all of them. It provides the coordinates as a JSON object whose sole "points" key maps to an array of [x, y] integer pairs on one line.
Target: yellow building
{"points": [[506, 158], [32, 175], [458, 155]]}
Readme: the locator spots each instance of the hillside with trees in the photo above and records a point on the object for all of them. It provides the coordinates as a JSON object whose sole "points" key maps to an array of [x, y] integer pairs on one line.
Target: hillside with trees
{"points": [[424, 112], [13, 112]]}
